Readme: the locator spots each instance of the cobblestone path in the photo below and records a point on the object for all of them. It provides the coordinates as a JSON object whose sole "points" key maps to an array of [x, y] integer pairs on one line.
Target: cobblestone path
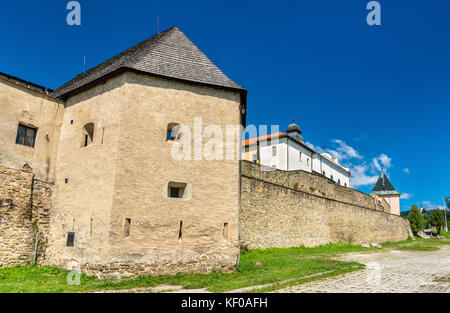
{"points": [[391, 271]]}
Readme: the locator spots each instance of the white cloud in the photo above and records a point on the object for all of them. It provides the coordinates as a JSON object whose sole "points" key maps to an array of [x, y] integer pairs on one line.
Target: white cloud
{"points": [[363, 173], [316, 148], [431, 206], [382, 161], [406, 171], [344, 151], [406, 195], [360, 178]]}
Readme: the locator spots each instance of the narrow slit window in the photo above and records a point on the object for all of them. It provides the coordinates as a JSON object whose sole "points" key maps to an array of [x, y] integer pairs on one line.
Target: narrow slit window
{"points": [[180, 231], [225, 230], [26, 136], [70, 239], [103, 134], [274, 151], [127, 227]]}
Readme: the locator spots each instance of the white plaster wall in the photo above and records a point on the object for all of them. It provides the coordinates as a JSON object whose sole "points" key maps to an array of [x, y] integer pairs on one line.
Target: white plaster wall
{"points": [[294, 157], [338, 174]]}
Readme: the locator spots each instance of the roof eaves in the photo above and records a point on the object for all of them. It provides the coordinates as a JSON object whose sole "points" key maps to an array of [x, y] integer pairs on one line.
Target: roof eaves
{"points": [[27, 84], [385, 192], [124, 69]]}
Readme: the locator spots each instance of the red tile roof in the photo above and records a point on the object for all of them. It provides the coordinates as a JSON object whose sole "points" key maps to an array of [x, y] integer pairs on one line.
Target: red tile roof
{"points": [[253, 141]]}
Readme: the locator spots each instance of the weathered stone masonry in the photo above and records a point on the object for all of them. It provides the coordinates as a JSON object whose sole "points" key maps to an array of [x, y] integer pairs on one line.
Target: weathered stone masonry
{"points": [[24, 210], [287, 209]]}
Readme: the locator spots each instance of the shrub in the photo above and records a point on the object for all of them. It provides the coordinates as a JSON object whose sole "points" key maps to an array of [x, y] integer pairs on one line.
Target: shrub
{"points": [[416, 219]]}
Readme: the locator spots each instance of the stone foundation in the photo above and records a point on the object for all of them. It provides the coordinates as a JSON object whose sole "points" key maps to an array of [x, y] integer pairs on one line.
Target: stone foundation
{"points": [[128, 270], [24, 210]]}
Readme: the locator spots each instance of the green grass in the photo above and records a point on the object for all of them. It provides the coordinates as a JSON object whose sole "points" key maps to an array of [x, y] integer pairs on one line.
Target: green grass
{"points": [[416, 245], [277, 265], [444, 279], [445, 234], [417, 248]]}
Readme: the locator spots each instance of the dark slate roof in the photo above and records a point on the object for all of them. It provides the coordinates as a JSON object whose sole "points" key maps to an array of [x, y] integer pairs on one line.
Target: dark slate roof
{"points": [[169, 54], [383, 186]]}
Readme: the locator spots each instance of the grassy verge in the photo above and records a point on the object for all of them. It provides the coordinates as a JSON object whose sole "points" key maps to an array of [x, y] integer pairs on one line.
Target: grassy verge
{"points": [[445, 234], [416, 245], [443, 279], [277, 265]]}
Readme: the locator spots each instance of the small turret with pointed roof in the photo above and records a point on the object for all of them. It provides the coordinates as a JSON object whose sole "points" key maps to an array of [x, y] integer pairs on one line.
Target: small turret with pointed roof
{"points": [[384, 186], [294, 131]]}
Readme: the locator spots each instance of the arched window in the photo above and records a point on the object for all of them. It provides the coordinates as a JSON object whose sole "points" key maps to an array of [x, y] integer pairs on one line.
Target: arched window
{"points": [[88, 134], [332, 178], [339, 181], [173, 132], [300, 156]]}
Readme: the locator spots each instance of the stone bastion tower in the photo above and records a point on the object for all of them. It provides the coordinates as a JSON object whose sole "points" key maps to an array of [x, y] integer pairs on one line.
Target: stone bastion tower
{"points": [[117, 200]]}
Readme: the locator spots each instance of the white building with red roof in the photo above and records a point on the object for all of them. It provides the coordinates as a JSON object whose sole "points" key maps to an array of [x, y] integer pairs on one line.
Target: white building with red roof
{"points": [[289, 152]]}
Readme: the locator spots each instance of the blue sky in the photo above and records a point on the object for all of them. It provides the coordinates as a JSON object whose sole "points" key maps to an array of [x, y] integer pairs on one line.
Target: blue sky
{"points": [[379, 96]]}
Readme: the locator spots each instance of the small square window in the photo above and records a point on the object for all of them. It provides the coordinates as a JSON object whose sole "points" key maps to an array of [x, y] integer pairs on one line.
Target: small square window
{"points": [[173, 132], [26, 136], [176, 190], [70, 239]]}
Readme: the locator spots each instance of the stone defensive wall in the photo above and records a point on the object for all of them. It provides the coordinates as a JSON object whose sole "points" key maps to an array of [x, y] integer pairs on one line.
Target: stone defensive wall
{"points": [[25, 204], [295, 208]]}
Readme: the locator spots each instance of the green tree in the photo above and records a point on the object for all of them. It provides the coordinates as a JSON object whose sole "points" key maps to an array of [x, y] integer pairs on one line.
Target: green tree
{"points": [[437, 219], [416, 219]]}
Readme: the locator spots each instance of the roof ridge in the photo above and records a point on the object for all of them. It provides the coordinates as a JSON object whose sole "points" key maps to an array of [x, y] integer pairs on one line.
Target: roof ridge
{"points": [[169, 54], [118, 56], [383, 185]]}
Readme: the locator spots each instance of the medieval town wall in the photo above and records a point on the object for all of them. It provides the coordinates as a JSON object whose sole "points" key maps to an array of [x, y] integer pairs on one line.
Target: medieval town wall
{"points": [[288, 209]]}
